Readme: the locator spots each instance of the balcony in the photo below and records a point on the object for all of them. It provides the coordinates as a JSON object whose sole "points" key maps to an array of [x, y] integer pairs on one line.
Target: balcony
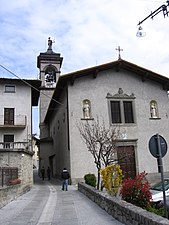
{"points": [[16, 147], [19, 122]]}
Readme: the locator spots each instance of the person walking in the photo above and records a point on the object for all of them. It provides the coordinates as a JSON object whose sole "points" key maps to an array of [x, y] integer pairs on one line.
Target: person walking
{"points": [[43, 172], [65, 177], [48, 172]]}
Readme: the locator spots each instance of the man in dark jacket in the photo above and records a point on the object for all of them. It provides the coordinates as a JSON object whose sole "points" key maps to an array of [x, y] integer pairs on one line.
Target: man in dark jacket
{"points": [[43, 172], [65, 177]]}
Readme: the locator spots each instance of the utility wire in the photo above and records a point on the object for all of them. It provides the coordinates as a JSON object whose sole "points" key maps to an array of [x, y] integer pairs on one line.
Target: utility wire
{"points": [[29, 84]]}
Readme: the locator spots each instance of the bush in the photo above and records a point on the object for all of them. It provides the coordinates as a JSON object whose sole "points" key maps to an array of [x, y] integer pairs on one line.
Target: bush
{"points": [[90, 179], [158, 211], [112, 178], [137, 191]]}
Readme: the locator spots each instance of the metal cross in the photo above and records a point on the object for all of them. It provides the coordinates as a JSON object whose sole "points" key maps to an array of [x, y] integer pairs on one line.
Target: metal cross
{"points": [[119, 49]]}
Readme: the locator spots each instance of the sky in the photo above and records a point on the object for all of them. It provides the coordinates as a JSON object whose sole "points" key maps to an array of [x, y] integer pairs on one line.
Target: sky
{"points": [[85, 32]]}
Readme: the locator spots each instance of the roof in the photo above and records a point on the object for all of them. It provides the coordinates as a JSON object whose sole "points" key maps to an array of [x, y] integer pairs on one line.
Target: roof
{"points": [[49, 56], [34, 85], [117, 65]]}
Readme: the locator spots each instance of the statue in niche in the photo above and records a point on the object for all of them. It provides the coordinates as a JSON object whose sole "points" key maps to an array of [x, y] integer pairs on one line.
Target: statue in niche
{"points": [[153, 109], [86, 109]]}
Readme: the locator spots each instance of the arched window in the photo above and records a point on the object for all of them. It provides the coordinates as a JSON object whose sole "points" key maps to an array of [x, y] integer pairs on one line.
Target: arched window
{"points": [[153, 109], [86, 109]]}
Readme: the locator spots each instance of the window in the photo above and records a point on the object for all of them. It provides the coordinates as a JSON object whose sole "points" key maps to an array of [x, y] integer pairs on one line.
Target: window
{"points": [[8, 140], [115, 112], [9, 116], [128, 112], [10, 88], [121, 107], [122, 111]]}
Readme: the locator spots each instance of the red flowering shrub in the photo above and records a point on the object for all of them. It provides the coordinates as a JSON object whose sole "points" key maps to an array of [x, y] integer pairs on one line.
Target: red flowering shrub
{"points": [[137, 190]]}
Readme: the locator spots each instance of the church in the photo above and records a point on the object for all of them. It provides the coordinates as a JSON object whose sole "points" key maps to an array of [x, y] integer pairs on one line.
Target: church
{"points": [[122, 93]]}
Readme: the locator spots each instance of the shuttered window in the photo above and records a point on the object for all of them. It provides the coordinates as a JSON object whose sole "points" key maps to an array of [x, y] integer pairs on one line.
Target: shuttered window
{"points": [[121, 111], [128, 112], [115, 112], [9, 116]]}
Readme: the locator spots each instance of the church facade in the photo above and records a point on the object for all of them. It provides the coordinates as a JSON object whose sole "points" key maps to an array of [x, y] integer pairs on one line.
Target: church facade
{"points": [[122, 94]]}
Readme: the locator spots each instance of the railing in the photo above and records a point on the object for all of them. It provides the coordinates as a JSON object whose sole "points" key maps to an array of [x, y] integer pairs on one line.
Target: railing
{"points": [[14, 145], [7, 174], [19, 121]]}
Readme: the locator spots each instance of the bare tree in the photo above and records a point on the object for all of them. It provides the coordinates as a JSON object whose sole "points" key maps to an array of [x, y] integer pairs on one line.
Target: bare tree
{"points": [[100, 141]]}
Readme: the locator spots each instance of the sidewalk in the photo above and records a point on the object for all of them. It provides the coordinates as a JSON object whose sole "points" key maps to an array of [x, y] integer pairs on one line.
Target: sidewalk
{"points": [[47, 204]]}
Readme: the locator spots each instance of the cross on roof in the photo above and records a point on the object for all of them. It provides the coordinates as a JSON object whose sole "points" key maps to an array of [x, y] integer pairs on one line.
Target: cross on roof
{"points": [[119, 49]]}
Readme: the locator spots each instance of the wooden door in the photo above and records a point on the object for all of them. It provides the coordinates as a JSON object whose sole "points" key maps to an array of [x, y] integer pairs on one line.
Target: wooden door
{"points": [[126, 160]]}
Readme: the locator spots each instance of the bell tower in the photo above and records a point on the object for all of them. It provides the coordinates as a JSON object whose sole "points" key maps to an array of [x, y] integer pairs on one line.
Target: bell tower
{"points": [[49, 64]]}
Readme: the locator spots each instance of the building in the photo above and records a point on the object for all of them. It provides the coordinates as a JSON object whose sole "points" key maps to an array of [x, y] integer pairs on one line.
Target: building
{"points": [[124, 94], [17, 99], [35, 146]]}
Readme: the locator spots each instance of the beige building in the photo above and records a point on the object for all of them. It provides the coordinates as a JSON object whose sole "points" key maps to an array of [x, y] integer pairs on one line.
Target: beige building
{"points": [[124, 94], [17, 99]]}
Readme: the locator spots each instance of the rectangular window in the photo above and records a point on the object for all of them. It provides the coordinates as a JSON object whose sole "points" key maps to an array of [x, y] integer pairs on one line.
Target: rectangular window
{"points": [[115, 112], [128, 112], [10, 88], [9, 116], [122, 111]]}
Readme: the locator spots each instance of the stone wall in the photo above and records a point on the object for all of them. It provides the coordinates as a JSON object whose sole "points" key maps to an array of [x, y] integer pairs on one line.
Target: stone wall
{"points": [[121, 210], [9, 193], [22, 160]]}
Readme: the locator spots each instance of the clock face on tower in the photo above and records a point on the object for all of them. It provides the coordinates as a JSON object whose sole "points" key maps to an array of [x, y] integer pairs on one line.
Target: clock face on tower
{"points": [[50, 78]]}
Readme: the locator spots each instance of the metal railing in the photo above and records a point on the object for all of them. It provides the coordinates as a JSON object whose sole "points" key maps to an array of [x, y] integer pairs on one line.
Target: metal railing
{"points": [[7, 174]]}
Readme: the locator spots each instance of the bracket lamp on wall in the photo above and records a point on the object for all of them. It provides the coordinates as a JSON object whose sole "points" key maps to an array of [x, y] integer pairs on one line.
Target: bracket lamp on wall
{"points": [[140, 32], [163, 8]]}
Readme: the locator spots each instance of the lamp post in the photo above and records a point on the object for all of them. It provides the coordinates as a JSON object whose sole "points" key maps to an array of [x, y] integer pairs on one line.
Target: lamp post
{"points": [[162, 8]]}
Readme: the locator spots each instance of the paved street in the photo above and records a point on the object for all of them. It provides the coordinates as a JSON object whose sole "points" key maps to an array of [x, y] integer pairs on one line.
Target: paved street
{"points": [[47, 204]]}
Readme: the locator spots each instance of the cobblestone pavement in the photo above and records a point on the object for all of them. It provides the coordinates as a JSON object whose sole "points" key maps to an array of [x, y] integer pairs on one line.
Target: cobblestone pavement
{"points": [[47, 204]]}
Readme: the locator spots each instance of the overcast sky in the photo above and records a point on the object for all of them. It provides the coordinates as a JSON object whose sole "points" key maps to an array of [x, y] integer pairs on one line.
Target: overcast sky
{"points": [[86, 33]]}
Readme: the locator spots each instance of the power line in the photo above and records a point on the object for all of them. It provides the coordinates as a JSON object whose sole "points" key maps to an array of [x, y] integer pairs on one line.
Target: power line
{"points": [[29, 84]]}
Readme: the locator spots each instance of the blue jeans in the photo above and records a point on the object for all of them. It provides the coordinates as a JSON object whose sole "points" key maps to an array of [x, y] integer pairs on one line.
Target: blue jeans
{"points": [[65, 185]]}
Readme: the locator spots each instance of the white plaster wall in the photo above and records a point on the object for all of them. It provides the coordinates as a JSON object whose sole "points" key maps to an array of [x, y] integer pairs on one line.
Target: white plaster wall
{"points": [[96, 90], [21, 102]]}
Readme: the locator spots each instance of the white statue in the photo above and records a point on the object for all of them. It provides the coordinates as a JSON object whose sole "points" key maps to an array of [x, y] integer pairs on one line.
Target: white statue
{"points": [[86, 109], [153, 110]]}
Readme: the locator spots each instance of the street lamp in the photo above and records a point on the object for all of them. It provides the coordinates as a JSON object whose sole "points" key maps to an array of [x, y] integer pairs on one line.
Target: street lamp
{"points": [[140, 32], [162, 8]]}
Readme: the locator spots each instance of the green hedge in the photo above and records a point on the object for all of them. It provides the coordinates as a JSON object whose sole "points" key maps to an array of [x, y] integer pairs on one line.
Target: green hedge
{"points": [[90, 179]]}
